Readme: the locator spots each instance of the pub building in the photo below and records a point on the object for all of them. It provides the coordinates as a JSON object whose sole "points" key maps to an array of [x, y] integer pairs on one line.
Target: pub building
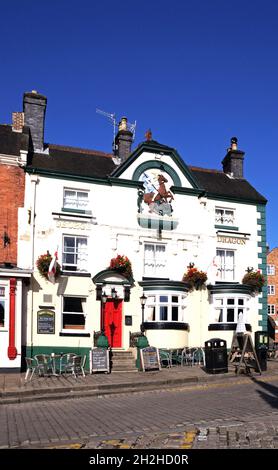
{"points": [[127, 226]]}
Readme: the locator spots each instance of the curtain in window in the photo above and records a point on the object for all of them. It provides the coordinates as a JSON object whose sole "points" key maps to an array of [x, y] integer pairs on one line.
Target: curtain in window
{"points": [[149, 266], [82, 255]]}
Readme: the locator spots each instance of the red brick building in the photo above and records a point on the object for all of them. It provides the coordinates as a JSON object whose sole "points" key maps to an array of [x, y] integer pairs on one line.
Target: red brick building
{"points": [[272, 290], [14, 145]]}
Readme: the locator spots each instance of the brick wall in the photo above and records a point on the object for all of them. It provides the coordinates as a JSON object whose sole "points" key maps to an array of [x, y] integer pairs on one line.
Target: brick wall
{"points": [[272, 280], [12, 180]]}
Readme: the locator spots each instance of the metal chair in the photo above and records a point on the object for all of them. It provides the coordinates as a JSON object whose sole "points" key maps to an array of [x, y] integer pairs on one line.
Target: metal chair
{"points": [[66, 361], [76, 366], [44, 364], [32, 367], [165, 358], [199, 356]]}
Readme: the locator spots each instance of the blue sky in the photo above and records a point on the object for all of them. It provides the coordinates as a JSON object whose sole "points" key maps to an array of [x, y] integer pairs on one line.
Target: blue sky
{"points": [[196, 72]]}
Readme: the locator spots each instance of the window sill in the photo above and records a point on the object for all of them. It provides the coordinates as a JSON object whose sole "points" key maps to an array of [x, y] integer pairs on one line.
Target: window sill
{"points": [[76, 211], [226, 327], [166, 325], [74, 333], [76, 273]]}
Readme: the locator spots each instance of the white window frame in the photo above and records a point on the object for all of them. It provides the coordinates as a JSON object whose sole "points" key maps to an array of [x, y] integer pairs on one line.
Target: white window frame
{"points": [[155, 301], [270, 289], [223, 268], [84, 313], [78, 265], [270, 270], [4, 300], [226, 216], [222, 303], [76, 202], [159, 264], [271, 309]]}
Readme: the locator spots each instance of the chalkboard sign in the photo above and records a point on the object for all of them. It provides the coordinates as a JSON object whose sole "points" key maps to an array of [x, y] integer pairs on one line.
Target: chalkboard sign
{"points": [[100, 360], [150, 359], [46, 322]]}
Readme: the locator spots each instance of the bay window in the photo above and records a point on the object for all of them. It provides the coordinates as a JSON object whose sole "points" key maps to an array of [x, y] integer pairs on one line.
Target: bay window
{"points": [[228, 308], [164, 307]]}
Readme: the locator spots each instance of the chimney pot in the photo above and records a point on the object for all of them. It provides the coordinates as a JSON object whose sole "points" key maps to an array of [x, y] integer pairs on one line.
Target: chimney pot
{"points": [[17, 121]]}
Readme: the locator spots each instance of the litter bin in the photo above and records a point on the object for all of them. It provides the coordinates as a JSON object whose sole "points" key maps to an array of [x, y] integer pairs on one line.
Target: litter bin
{"points": [[261, 347], [216, 356]]}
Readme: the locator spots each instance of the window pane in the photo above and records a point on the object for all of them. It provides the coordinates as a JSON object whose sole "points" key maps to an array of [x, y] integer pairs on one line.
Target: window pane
{"points": [[175, 313], [150, 314], [73, 321], [220, 319], [163, 313], [230, 315], [240, 301], [2, 291], [2, 313], [163, 298], [72, 304], [230, 301], [175, 299]]}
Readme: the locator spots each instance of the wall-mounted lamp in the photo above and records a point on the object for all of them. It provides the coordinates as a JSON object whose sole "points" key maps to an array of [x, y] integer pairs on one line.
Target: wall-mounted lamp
{"points": [[114, 293], [143, 300], [249, 269], [6, 239], [104, 298]]}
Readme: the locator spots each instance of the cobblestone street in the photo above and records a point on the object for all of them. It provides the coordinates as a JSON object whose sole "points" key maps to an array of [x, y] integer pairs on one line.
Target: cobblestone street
{"points": [[242, 413]]}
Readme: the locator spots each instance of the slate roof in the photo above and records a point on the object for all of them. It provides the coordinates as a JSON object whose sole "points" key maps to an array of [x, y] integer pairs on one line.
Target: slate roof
{"points": [[93, 163], [12, 142], [219, 184], [74, 161]]}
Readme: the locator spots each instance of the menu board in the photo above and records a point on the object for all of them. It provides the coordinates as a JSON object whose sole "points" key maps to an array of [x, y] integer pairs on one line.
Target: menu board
{"points": [[100, 360], [46, 322], [150, 359]]}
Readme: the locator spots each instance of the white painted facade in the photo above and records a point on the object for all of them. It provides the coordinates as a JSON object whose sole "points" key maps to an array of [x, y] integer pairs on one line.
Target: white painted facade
{"points": [[110, 227]]}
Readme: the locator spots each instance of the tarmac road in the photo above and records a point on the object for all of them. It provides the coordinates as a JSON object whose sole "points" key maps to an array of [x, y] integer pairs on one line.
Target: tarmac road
{"points": [[241, 413]]}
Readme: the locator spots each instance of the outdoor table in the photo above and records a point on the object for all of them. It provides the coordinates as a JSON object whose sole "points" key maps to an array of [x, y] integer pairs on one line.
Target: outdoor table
{"points": [[54, 358]]}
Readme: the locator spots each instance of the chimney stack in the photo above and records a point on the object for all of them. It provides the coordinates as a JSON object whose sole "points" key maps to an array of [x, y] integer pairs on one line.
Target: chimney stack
{"points": [[233, 161], [34, 106], [123, 141]]}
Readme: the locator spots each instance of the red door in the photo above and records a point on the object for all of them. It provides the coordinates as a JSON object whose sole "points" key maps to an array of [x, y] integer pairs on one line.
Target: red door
{"points": [[113, 322]]}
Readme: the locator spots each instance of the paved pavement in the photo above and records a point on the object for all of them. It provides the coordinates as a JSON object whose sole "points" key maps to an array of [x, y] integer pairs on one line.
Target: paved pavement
{"points": [[14, 389]]}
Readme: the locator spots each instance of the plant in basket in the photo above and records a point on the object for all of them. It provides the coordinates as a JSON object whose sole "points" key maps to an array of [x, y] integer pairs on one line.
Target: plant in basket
{"points": [[122, 265], [254, 279], [195, 278], [43, 262]]}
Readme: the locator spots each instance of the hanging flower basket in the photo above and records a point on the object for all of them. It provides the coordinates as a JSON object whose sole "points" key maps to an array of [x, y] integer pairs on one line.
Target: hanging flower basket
{"points": [[43, 263], [195, 278], [254, 279], [122, 265]]}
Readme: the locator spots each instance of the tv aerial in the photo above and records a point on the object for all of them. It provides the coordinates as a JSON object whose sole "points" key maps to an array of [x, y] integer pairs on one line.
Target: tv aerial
{"points": [[112, 118]]}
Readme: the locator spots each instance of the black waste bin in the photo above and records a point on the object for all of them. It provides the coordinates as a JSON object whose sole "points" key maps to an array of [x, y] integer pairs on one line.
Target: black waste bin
{"points": [[262, 357], [216, 356], [261, 347]]}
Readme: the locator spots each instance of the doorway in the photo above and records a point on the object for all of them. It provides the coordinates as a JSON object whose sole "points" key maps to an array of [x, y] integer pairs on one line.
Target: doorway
{"points": [[113, 322]]}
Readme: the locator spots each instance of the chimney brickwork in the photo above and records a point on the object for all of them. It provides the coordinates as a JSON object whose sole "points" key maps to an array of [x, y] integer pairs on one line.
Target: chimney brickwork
{"points": [[123, 141], [34, 107], [233, 161]]}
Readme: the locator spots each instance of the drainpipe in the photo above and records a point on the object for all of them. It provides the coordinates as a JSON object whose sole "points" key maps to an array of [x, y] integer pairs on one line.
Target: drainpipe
{"points": [[12, 351], [34, 181]]}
